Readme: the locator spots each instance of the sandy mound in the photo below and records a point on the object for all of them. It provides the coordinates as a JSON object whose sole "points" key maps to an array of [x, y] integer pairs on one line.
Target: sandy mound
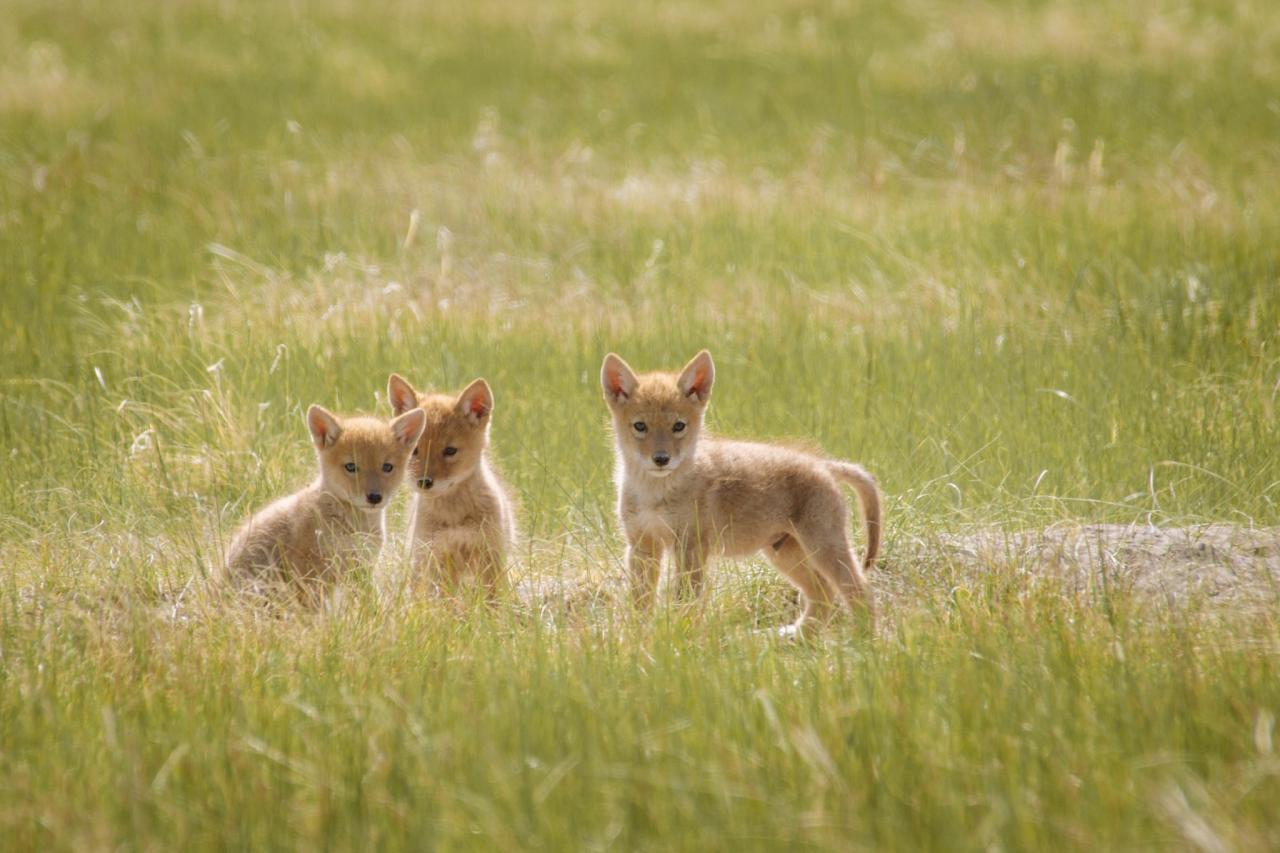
{"points": [[1218, 564]]}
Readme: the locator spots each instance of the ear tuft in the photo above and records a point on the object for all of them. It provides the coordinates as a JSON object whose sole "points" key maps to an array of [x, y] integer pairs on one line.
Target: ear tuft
{"points": [[401, 394], [618, 380], [409, 426], [697, 378], [476, 401], [324, 427]]}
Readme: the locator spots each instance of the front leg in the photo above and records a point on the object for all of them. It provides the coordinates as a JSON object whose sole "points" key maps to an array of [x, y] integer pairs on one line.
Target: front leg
{"points": [[424, 564], [691, 560], [487, 565], [644, 564]]}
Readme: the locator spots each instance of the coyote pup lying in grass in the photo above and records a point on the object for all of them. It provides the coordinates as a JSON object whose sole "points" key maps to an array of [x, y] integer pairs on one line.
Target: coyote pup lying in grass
{"points": [[679, 491], [463, 520], [307, 540]]}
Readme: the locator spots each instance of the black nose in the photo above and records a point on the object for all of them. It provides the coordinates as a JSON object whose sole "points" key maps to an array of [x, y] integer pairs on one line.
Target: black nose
{"points": [[426, 482], [374, 498], [661, 459]]}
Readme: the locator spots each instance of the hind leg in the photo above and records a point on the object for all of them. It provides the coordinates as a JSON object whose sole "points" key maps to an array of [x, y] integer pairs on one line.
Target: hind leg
{"points": [[790, 558], [831, 557]]}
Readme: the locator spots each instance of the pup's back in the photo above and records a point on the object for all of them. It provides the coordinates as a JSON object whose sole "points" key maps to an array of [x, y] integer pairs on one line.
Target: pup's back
{"points": [[754, 492]]}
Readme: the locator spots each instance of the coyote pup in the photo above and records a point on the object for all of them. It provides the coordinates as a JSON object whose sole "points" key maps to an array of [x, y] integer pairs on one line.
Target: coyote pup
{"points": [[695, 495], [463, 515], [311, 538]]}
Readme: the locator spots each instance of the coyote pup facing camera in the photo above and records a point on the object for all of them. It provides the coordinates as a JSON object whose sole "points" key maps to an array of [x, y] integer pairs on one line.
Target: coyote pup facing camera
{"points": [[463, 515], [312, 537], [695, 495]]}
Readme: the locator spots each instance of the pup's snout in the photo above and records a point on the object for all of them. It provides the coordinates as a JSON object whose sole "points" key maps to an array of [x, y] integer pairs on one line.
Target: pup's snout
{"points": [[661, 459], [425, 482], [374, 498]]}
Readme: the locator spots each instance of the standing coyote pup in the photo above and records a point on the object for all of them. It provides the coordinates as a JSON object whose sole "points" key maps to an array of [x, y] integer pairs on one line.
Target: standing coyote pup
{"points": [[312, 537], [697, 497], [463, 517]]}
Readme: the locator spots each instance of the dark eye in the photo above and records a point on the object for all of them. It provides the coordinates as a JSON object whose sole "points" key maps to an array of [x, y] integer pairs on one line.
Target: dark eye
{"points": [[639, 426], [351, 467], [451, 451], [415, 451], [387, 467], [679, 427]]}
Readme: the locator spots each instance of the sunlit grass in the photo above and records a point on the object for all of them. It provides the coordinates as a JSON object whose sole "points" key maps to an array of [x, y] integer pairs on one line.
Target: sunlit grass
{"points": [[1018, 259]]}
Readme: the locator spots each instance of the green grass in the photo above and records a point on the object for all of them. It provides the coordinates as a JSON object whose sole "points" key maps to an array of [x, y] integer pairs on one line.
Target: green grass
{"points": [[1017, 258]]}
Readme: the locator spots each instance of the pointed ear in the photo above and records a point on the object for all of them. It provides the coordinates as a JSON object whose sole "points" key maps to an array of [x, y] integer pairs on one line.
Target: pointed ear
{"points": [[476, 401], [618, 379], [409, 426], [324, 427], [401, 394], [696, 380]]}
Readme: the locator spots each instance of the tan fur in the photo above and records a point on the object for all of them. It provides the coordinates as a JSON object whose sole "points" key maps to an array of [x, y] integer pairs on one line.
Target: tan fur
{"points": [[731, 498], [311, 538], [463, 519]]}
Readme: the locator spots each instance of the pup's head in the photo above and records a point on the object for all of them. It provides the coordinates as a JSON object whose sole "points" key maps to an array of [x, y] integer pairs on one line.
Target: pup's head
{"points": [[363, 459], [456, 436], [657, 416]]}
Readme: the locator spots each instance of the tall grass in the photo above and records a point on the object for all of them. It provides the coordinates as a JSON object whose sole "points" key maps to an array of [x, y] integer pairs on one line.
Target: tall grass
{"points": [[1018, 259]]}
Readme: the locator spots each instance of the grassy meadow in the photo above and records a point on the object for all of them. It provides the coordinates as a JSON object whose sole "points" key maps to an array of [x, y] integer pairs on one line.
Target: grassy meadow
{"points": [[1020, 259]]}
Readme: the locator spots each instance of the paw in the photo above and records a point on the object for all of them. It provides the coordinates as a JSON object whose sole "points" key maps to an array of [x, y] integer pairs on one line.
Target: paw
{"points": [[797, 632]]}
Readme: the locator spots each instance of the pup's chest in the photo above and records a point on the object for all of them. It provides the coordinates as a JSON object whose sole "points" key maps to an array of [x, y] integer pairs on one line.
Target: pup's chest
{"points": [[343, 537], [655, 516], [461, 513], [334, 522]]}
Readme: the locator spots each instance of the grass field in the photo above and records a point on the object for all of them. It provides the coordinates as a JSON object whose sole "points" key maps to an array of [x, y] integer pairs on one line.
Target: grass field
{"points": [[1019, 259]]}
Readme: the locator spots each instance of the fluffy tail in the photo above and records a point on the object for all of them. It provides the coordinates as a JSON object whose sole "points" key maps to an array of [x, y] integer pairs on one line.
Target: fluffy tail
{"points": [[869, 496]]}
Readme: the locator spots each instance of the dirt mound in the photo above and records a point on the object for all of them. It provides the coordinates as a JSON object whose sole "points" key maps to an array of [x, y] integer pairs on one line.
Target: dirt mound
{"points": [[1220, 564]]}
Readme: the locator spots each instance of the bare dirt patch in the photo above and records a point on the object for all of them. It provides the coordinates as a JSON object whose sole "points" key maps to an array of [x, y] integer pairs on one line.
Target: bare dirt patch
{"points": [[1221, 565]]}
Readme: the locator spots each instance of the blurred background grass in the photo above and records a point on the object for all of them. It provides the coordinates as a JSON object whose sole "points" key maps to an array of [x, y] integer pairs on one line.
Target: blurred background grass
{"points": [[966, 244]]}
